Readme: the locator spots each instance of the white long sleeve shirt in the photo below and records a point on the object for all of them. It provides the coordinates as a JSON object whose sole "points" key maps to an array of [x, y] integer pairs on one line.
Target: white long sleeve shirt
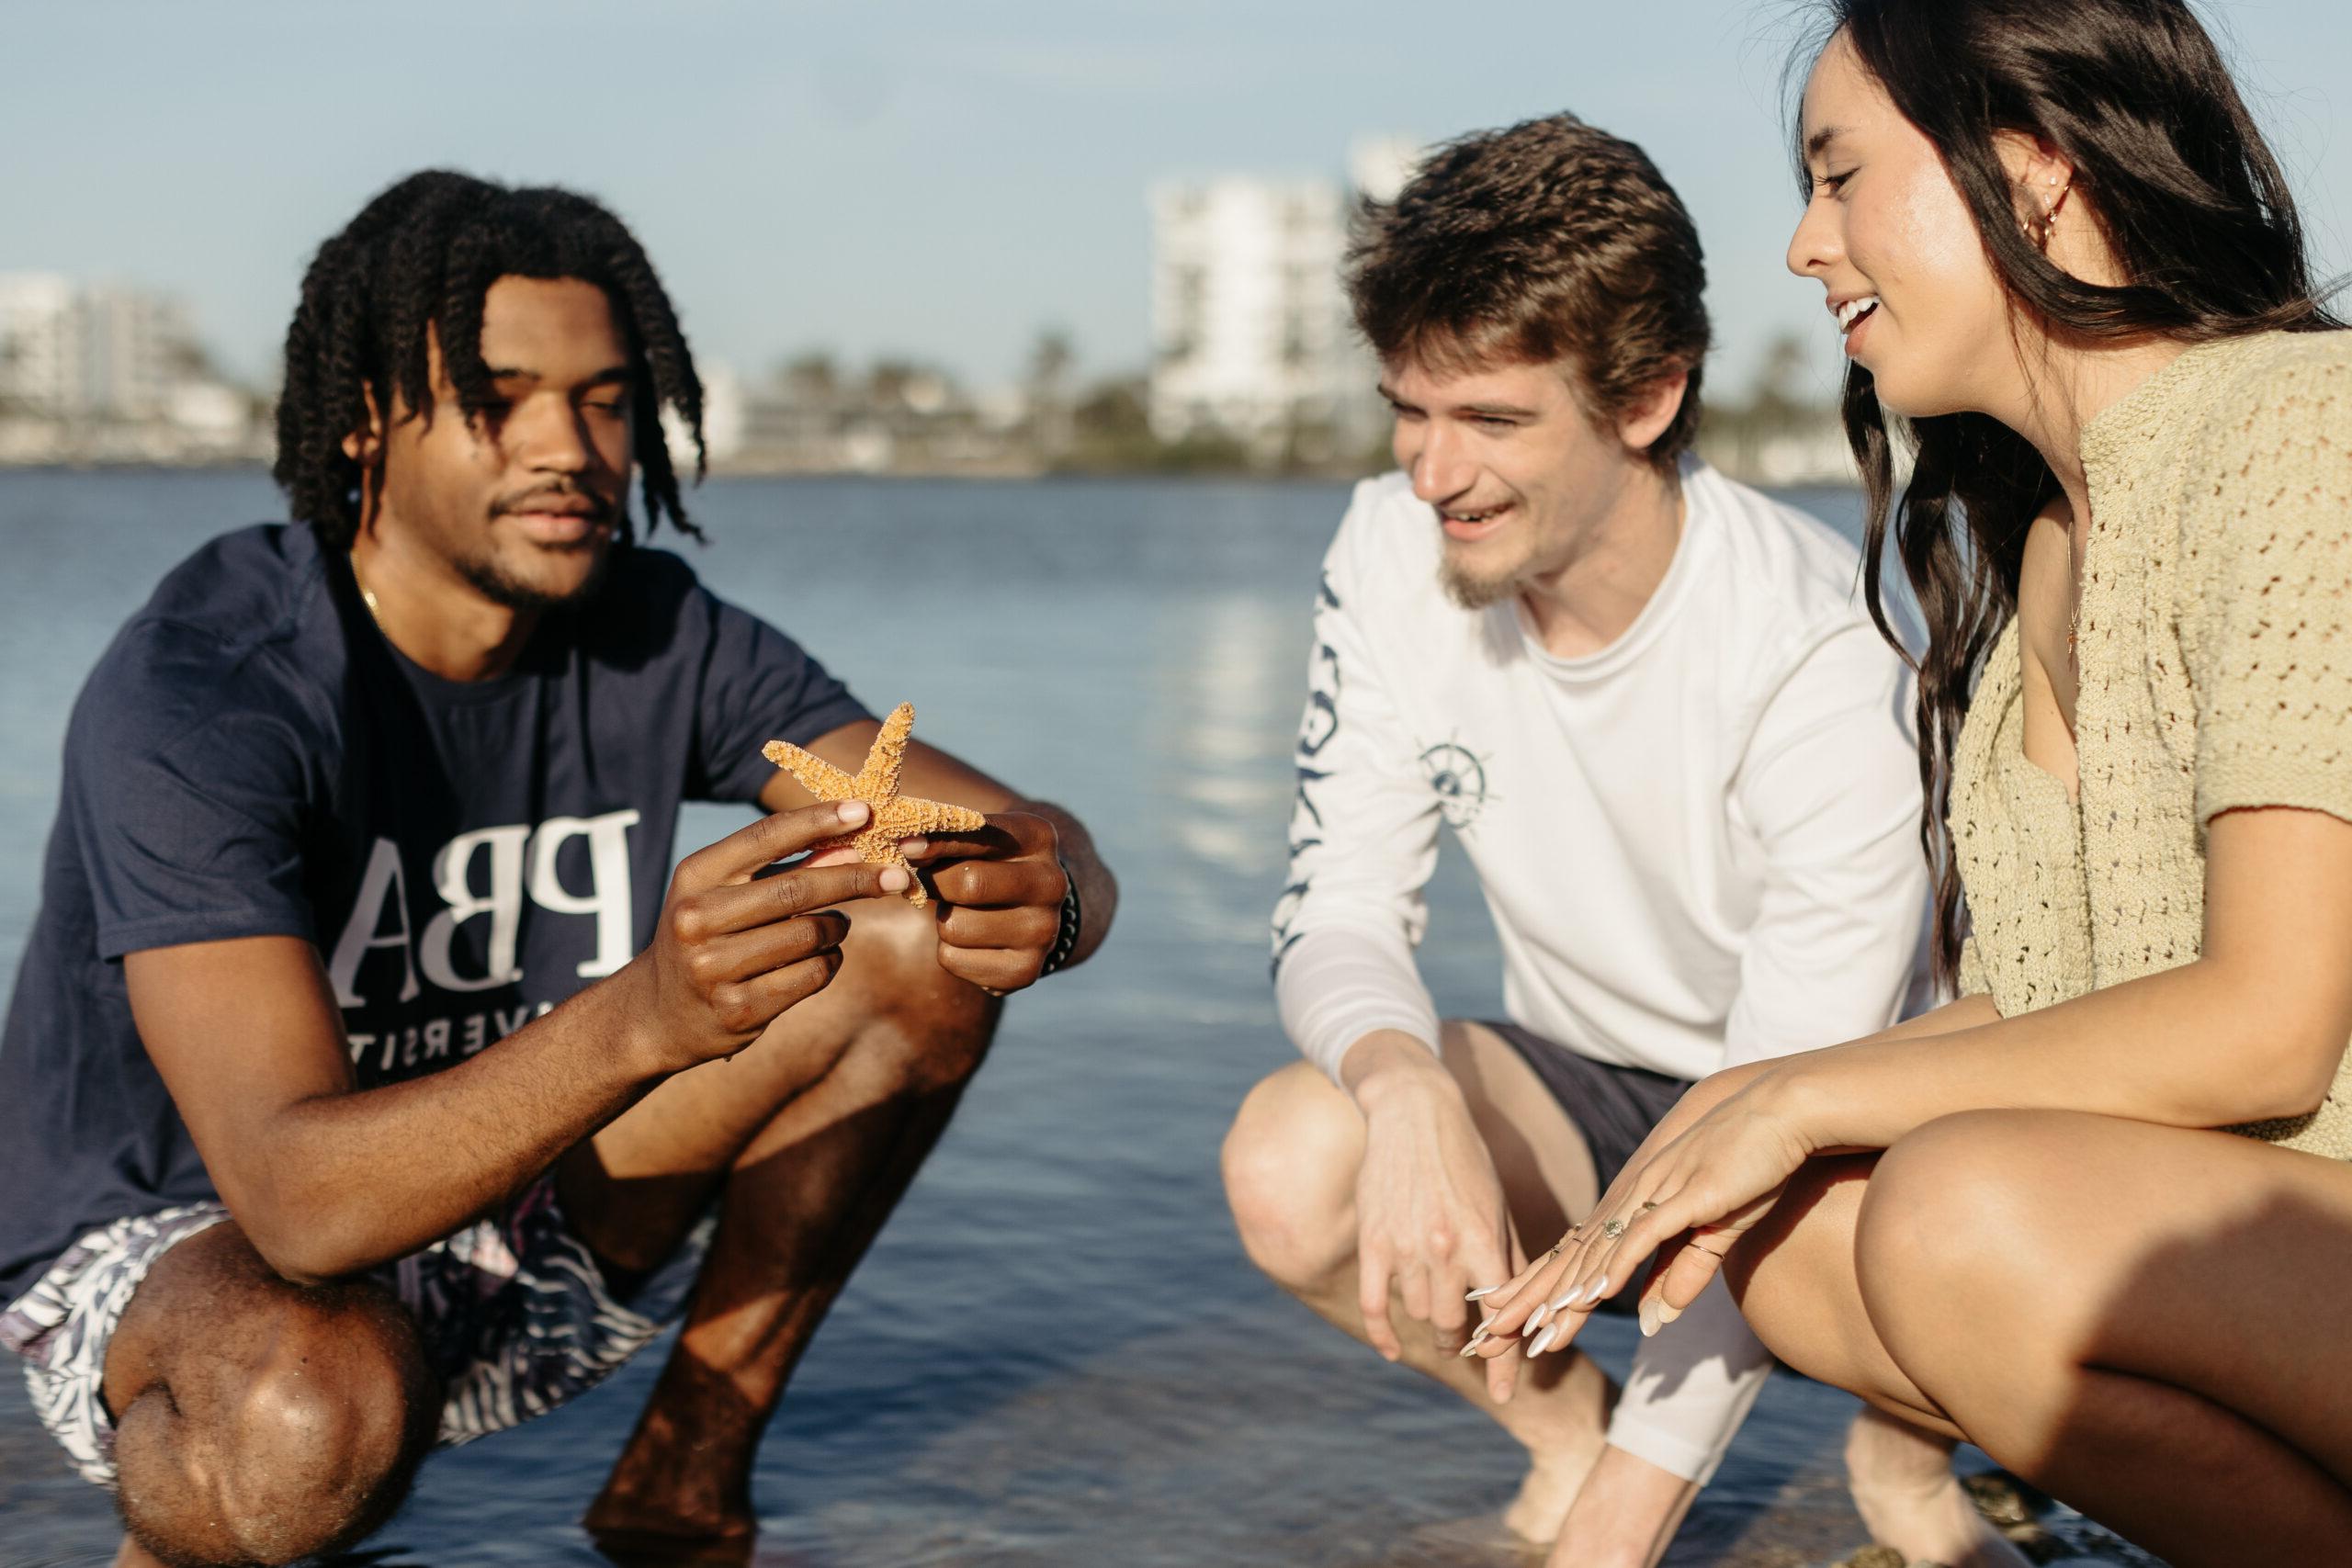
{"points": [[1699, 845]]}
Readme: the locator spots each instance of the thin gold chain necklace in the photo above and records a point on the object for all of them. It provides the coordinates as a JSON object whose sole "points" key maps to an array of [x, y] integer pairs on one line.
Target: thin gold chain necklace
{"points": [[367, 594]]}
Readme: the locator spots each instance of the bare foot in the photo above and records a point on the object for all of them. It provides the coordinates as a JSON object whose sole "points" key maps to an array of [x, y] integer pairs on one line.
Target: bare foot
{"points": [[1908, 1498], [1554, 1479], [642, 1525], [634, 1548], [642, 1513], [683, 1482]]}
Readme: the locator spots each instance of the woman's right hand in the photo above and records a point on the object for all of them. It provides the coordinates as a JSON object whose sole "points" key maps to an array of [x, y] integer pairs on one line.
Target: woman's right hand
{"points": [[1686, 1195]]}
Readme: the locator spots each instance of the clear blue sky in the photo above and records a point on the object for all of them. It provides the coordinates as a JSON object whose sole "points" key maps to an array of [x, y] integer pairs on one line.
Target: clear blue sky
{"points": [[921, 176]]}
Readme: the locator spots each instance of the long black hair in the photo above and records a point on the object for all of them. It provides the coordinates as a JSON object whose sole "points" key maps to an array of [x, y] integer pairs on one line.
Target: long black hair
{"points": [[2136, 97], [424, 253]]}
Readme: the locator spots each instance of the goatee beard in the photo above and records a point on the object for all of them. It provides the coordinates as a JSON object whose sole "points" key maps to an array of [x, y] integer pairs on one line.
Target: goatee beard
{"points": [[1473, 592], [516, 594]]}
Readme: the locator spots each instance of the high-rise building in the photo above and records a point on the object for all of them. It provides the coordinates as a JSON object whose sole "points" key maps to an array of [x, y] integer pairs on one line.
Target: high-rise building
{"points": [[1252, 337], [36, 310], [93, 352]]}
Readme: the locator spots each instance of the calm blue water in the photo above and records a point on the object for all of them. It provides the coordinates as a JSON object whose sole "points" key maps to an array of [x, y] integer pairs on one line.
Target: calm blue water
{"points": [[1056, 1353]]}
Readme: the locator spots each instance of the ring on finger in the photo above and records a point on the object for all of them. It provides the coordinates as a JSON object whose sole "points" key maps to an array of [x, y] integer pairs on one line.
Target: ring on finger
{"points": [[1613, 1229]]}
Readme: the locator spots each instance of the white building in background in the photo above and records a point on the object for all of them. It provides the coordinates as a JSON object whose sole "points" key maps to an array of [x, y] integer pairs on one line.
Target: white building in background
{"points": [[1251, 333], [722, 419], [1249, 325], [108, 372], [36, 309], [93, 351]]}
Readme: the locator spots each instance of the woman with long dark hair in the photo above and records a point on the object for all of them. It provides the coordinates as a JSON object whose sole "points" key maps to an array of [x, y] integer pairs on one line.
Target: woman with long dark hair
{"points": [[2094, 1215]]}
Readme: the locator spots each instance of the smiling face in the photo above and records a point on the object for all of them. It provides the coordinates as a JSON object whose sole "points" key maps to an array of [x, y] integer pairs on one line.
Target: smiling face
{"points": [[1517, 469], [1889, 237], [523, 503]]}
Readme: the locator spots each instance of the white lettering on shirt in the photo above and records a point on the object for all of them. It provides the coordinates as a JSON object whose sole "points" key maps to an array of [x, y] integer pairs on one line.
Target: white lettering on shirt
{"points": [[360, 932], [514, 849]]}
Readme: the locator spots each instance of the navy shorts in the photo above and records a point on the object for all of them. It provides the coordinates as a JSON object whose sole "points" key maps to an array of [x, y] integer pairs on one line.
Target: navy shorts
{"points": [[1614, 1107]]}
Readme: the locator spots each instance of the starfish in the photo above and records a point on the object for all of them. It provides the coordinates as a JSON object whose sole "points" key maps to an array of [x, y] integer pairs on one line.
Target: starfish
{"points": [[895, 816]]}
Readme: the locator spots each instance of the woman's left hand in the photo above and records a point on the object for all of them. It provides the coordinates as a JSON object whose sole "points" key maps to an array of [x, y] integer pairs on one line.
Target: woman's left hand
{"points": [[1690, 1199]]}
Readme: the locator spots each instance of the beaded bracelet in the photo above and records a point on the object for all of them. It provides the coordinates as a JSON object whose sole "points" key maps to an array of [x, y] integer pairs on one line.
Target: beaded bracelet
{"points": [[1065, 938]]}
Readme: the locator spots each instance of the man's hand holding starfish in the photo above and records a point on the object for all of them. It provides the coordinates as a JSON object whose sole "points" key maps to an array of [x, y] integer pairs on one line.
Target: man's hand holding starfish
{"points": [[1001, 880]]}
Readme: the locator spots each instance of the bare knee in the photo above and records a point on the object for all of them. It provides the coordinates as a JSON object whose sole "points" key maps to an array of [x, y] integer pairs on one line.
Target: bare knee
{"points": [[1950, 1204], [1949, 1251], [1290, 1163], [923, 1030], [297, 1430], [1785, 1274]]}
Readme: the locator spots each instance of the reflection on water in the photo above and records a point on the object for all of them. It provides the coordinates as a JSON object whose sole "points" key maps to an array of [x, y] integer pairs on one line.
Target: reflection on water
{"points": [[1056, 1354]]}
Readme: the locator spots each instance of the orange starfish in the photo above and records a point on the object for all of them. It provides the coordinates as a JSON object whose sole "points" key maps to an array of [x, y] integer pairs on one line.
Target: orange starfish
{"points": [[895, 816]]}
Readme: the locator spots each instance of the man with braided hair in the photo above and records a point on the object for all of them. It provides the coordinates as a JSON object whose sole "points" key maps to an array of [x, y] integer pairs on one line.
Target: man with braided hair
{"points": [[363, 1090]]}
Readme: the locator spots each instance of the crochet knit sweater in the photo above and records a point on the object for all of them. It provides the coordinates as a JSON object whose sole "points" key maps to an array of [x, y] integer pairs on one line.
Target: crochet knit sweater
{"points": [[2215, 649]]}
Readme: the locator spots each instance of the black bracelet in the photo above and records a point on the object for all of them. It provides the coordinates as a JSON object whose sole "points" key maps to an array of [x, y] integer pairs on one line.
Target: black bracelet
{"points": [[1065, 938]]}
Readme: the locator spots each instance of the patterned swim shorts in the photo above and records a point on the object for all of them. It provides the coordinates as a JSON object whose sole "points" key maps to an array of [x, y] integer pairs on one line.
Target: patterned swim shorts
{"points": [[513, 1311]]}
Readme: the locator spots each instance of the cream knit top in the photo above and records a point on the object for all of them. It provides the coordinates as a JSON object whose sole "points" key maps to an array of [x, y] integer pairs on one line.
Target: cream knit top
{"points": [[2214, 646]]}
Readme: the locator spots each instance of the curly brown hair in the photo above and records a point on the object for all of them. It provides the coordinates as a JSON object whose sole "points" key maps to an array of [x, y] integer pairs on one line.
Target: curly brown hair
{"points": [[1549, 241]]}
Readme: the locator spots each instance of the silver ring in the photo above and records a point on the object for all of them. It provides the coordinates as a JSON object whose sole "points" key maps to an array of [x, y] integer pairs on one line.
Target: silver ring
{"points": [[1613, 1229]]}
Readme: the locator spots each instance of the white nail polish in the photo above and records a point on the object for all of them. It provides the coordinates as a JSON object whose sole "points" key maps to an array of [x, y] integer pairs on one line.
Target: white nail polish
{"points": [[1468, 1350], [1543, 1341], [1535, 1319], [1482, 1293], [1648, 1318], [1561, 1303], [1600, 1289]]}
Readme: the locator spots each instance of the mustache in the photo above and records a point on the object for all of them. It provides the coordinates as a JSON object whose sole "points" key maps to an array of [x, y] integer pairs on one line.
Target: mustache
{"points": [[600, 508]]}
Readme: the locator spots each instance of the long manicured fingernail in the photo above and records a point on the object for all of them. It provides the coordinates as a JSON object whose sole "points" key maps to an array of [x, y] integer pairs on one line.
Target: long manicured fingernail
{"points": [[1543, 1341], [1470, 1349], [1482, 1293], [894, 880], [852, 811], [1535, 1319], [1667, 1311], [1561, 1302], [1600, 1289], [1649, 1317]]}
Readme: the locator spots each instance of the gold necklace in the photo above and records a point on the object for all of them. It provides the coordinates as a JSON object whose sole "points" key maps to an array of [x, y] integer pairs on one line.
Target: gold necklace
{"points": [[367, 594]]}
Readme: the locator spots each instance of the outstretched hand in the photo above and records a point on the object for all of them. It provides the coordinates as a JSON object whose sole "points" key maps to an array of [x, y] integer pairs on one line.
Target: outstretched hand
{"points": [[1688, 1196]]}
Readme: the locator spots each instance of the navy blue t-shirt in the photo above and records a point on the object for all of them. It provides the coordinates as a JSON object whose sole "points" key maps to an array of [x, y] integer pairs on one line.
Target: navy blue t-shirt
{"points": [[251, 757]]}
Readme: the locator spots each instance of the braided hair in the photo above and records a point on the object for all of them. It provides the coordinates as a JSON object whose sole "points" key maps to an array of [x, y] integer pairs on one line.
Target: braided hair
{"points": [[423, 253]]}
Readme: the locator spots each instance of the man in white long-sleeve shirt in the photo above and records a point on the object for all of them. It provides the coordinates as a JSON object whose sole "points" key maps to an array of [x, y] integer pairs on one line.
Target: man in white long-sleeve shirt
{"points": [[1649, 704]]}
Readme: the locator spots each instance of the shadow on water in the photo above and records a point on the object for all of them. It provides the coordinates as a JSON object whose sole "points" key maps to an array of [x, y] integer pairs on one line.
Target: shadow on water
{"points": [[1056, 1352]]}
